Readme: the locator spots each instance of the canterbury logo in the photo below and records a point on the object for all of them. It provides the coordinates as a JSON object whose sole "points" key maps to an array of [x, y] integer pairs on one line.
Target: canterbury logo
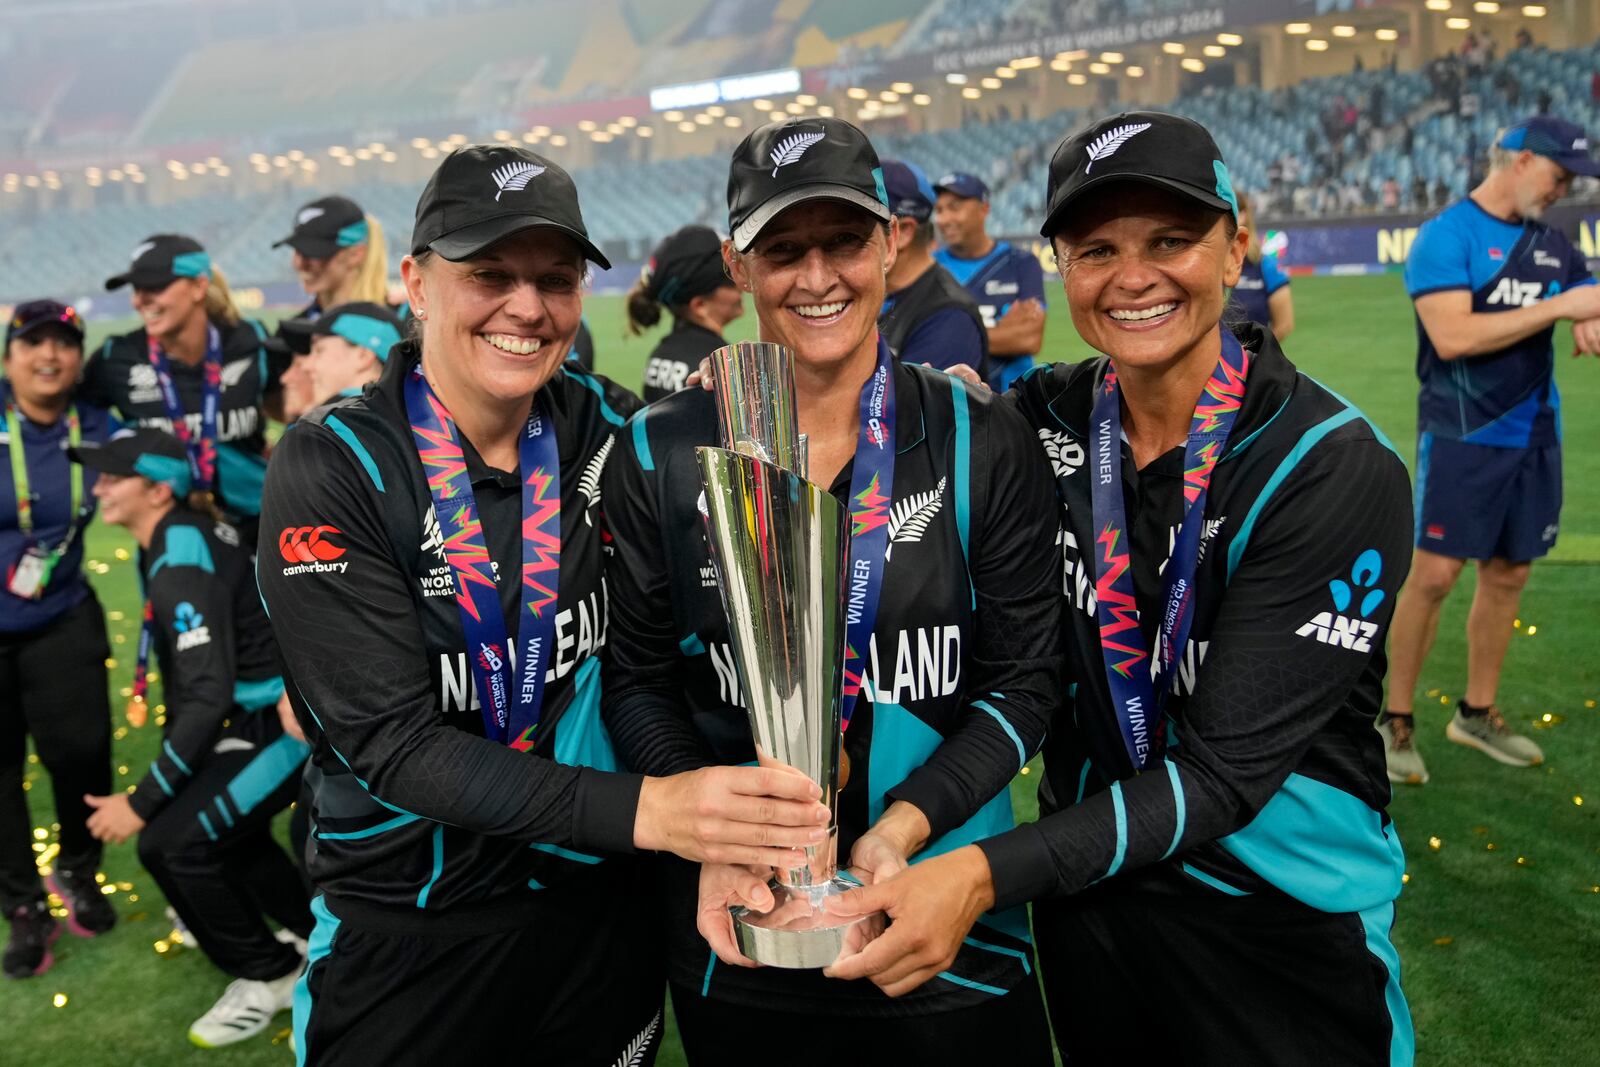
{"points": [[514, 177], [305, 544], [791, 148], [909, 518], [1107, 143]]}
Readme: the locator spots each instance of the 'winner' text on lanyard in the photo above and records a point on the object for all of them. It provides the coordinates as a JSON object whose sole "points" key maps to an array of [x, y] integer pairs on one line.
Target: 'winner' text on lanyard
{"points": [[871, 493], [1138, 689], [509, 716], [202, 450]]}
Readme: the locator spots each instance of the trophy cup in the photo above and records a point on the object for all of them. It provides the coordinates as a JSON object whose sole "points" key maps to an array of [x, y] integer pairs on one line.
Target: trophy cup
{"points": [[780, 544]]}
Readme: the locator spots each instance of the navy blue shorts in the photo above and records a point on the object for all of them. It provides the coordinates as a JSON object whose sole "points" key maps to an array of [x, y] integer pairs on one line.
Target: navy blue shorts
{"points": [[1482, 502]]}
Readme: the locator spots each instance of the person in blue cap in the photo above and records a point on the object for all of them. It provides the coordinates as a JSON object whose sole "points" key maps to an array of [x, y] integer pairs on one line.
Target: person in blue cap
{"points": [[1489, 281], [927, 317], [1006, 281], [52, 634]]}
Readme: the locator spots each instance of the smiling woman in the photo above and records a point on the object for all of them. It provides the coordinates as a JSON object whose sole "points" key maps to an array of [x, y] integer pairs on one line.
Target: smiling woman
{"points": [[1213, 838], [441, 642]]}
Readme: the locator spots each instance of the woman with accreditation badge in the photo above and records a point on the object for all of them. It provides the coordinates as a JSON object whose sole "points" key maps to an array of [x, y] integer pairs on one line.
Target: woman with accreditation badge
{"points": [[1213, 873], [952, 666], [434, 572], [52, 634]]}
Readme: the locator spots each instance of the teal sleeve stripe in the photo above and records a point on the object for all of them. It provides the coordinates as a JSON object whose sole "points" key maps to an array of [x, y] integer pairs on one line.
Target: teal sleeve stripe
{"points": [[371, 831], [438, 866], [1307, 442], [1022, 957], [1121, 812], [1379, 434], [705, 986], [185, 546], [223, 809], [970, 984], [963, 475], [161, 780], [205, 824], [1083, 782], [641, 442], [1179, 808], [318, 949], [359, 781], [564, 853], [271, 767], [1221, 886], [348, 436], [589, 383], [1377, 922], [166, 746], [1022, 752]]}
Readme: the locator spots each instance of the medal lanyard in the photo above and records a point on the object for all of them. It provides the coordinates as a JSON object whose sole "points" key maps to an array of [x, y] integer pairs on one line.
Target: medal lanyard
{"points": [[871, 491], [19, 471], [509, 717], [1139, 688], [202, 452]]}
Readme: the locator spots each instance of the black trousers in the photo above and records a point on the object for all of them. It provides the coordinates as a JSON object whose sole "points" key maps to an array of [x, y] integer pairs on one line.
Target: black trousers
{"points": [[1007, 1030], [53, 686], [1203, 977], [220, 867], [571, 979]]}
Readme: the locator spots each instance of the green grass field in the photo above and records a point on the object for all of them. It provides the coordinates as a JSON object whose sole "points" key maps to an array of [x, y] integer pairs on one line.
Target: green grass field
{"points": [[1499, 925]]}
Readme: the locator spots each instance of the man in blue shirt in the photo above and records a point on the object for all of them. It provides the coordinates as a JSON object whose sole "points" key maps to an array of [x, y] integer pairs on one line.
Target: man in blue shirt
{"points": [[1489, 282], [1007, 282]]}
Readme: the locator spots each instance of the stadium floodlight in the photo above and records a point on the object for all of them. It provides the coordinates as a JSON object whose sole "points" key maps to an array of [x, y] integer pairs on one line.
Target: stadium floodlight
{"points": [[703, 119], [794, 108], [1215, 51], [990, 83], [1111, 57], [587, 125], [421, 143], [295, 155], [1458, 24], [1316, 44], [733, 122], [388, 157], [1175, 48], [1077, 79], [628, 122], [806, 100], [972, 92], [430, 152], [956, 78], [1297, 27], [922, 99], [673, 116], [1193, 65], [1099, 68], [337, 150], [687, 127], [115, 174], [644, 131], [1005, 72], [1533, 11], [31, 181], [600, 137], [1437, 5], [889, 96], [1486, 7], [725, 90], [855, 92], [1232, 40], [1344, 31], [899, 87], [1386, 33], [1135, 71], [365, 154], [614, 128], [1074, 55], [347, 161], [1027, 62], [762, 104], [824, 111], [222, 171], [716, 111], [558, 140], [1061, 65], [499, 135], [277, 161]]}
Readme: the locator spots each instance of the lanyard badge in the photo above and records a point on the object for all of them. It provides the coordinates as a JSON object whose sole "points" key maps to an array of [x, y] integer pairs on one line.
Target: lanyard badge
{"points": [[510, 715], [202, 450], [871, 492], [1139, 687], [28, 576]]}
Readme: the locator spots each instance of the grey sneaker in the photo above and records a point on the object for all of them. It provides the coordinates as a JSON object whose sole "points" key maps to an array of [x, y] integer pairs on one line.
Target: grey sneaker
{"points": [[1400, 752], [1490, 735]]}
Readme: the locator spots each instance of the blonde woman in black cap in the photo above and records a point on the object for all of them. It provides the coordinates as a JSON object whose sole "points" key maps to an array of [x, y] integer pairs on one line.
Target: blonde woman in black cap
{"points": [[686, 276], [437, 587], [52, 633], [339, 253], [1213, 874], [955, 628]]}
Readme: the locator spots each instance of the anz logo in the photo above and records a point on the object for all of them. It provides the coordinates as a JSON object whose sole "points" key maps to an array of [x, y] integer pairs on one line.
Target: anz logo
{"points": [[1335, 627], [1513, 293]]}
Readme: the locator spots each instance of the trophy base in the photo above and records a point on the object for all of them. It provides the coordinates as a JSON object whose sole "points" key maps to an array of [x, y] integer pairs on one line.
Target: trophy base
{"points": [[799, 932]]}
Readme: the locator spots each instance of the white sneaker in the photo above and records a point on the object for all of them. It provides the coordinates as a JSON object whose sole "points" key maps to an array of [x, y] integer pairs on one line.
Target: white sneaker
{"points": [[187, 939], [289, 937], [245, 1009]]}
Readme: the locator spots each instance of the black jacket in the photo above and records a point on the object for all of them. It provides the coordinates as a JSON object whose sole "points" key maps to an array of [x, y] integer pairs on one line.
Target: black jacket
{"points": [[677, 356]]}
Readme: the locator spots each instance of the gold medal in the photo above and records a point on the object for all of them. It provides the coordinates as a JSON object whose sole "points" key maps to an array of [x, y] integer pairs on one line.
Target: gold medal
{"points": [[138, 712]]}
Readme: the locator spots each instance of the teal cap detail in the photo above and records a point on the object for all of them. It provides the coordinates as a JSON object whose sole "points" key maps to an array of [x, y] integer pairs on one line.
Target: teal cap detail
{"points": [[363, 331], [165, 469], [354, 234], [191, 265], [877, 178], [1225, 185]]}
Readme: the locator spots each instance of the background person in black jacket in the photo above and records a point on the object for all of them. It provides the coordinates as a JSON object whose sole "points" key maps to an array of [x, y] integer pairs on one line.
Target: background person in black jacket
{"points": [[686, 276]]}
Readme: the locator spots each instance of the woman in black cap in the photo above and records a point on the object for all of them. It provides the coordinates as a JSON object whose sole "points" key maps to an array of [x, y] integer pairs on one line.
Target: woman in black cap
{"points": [[685, 273], [1214, 873], [339, 253], [954, 664], [52, 633], [465, 804]]}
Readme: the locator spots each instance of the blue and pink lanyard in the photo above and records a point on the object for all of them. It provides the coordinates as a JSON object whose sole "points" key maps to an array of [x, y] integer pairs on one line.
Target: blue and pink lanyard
{"points": [[1138, 689], [871, 493], [510, 715]]}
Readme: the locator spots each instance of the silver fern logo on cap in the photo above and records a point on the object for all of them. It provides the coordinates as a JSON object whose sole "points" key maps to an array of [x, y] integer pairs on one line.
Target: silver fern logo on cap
{"points": [[791, 148], [1107, 143], [308, 214], [514, 177]]}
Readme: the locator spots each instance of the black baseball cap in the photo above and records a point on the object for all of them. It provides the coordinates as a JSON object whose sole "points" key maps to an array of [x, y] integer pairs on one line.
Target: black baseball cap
{"points": [[1138, 146], [966, 186], [368, 325], [154, 454], [483, 193], [911, 195], [37, 314], [686, 264], [324, 226], [787, 163], [1555, 139], [160, 260]]}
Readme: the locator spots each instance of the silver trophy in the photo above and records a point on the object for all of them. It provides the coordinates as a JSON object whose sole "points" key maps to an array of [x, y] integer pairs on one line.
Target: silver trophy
{"points": [[780, 545]]}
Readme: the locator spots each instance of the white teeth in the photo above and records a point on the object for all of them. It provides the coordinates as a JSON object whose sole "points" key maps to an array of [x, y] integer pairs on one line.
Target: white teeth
{"points": [[820, 311], [1145, 313], [517, 346]]}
